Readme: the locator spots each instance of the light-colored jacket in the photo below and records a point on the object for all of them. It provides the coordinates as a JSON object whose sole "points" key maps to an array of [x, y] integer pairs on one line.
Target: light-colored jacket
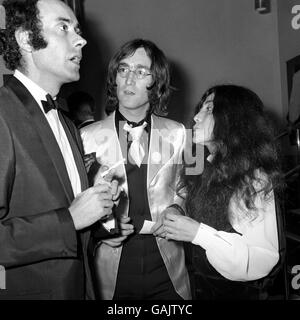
{"points": [[164, 163]]}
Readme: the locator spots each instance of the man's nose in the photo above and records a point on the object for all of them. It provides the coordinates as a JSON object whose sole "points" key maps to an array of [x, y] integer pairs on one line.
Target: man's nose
{"points": [[130, 78], [80, 41]]}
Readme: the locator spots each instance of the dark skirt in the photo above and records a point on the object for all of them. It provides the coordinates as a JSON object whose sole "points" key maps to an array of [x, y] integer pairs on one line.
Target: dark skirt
{"points": [[209, 284]]}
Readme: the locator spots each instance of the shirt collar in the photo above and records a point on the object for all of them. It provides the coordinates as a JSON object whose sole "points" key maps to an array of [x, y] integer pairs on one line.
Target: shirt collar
{"points": [[36, 91], [119, 117]]}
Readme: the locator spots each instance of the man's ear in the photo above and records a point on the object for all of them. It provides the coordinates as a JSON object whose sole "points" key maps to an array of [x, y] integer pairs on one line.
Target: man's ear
{"points": [[22, 37]]}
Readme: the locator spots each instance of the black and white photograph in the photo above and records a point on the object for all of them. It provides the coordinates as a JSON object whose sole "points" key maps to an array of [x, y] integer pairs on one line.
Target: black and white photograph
{"points": [[150, 154]]}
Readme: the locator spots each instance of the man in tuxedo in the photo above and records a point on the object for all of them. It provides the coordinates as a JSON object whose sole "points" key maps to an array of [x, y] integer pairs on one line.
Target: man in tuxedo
{"points": [[136, 264], [44, 212]]}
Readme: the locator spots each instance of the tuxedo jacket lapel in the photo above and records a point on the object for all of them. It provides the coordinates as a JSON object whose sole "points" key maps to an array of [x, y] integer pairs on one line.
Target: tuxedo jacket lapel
{"points": [[44, 131], [160, 150]]}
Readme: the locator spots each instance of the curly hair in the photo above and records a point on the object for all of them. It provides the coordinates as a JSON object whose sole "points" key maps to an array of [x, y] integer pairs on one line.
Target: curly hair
{"points": [[20, 15], [244, 138], [159, 91]]}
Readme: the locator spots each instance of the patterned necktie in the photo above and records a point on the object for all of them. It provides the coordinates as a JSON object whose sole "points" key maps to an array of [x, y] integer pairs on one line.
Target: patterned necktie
{"points": [[136, 150], [49, 104]]}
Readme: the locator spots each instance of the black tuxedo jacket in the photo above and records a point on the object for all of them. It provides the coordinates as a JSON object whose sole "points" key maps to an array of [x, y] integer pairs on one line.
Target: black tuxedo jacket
{"points": [[39, 247]]}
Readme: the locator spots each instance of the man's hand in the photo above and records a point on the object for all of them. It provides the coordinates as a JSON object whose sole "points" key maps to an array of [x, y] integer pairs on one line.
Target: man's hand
{"points": [[91, 205], [108, 178], [125, 229]]}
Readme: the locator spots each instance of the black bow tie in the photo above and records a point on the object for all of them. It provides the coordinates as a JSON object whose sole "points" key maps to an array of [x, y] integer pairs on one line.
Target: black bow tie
{"points": [[138, 124], [135, 124], [49, 104]]}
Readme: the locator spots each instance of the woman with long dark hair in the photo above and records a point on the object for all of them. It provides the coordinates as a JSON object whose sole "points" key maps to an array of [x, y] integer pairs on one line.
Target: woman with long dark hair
{"points": [[231, 213]]}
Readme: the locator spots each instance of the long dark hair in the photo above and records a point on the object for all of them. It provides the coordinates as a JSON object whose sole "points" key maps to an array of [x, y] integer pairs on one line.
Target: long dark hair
{"points": [[244, 138], [160, 89], [25, 15]]}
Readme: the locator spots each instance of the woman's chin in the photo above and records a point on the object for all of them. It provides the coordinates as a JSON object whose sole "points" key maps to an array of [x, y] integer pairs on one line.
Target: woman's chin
{"points": [[198, 140], [201, 143]]}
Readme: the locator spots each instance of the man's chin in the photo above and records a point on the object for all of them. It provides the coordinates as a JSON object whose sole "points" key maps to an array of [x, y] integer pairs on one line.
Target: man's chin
{"points": [[73, 77], [132, 105]]}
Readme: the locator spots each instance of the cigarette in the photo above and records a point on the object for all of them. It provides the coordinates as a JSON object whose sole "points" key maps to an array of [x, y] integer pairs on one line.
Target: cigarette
{"points": [[104, 173]]}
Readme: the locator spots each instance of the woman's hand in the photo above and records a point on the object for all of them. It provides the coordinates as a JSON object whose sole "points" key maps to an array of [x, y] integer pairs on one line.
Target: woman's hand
{"points": [[158, 228], [180, 228]]}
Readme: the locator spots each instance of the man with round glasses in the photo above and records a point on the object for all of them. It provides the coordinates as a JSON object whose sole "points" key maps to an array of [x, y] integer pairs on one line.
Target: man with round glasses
{"points": [[135, 264], [140, 72]]}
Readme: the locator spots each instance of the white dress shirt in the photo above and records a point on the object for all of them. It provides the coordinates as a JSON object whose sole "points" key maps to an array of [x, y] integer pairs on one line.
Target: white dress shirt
{"points": [[39, 94], [254, 253]]}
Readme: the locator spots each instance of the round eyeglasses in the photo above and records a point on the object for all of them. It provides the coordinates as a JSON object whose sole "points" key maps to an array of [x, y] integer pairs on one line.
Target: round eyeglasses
{"points": [[140, 72]]}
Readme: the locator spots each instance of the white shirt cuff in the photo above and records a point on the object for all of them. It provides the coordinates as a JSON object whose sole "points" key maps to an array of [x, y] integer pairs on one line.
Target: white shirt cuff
{"points": [[204, 236], [208, 236]]}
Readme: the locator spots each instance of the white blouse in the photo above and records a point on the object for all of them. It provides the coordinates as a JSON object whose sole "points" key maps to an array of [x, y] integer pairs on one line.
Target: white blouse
{"points": [[254, 253]]}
